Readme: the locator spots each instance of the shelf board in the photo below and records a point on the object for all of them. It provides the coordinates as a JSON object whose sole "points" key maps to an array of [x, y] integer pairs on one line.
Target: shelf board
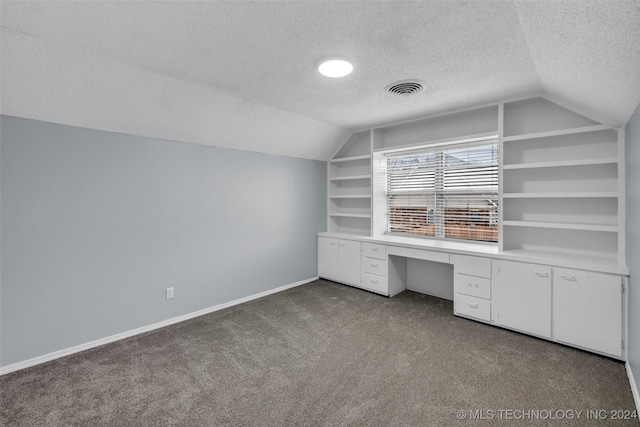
{"points": [[546, 134], [563, 163], [351, 196], [350, 215], [585, 194], [351, 158], [562, 226], [351, 231], [347, 178]]}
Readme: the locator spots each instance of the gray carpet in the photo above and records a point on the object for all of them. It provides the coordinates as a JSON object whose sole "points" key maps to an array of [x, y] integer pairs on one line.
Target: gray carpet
{"points": [[321, 354]]}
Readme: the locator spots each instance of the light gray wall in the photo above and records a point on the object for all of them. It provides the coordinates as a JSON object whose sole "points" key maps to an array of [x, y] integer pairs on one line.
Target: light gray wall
{"points": [[632, 182], [95, 225]]}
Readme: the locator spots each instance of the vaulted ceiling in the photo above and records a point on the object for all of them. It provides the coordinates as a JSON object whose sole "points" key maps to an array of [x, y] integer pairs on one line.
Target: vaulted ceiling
{"points": [[243, 74]]}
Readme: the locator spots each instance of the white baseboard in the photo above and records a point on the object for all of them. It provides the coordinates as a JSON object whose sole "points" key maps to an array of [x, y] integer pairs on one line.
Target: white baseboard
{"points": [[78, 348], [634, 387]]}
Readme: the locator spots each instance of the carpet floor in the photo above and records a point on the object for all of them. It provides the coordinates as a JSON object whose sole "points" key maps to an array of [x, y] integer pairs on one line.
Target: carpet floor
{"points": [[323, 354]]}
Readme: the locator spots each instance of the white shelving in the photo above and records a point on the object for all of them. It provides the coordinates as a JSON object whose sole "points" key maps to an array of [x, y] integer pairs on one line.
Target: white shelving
{"points": [[346, 178], [585, 194], [349, 198], [351, 158], [561, 177], [563, 163], [350, 215], [560, 132], [561, 184], [562, 226]]}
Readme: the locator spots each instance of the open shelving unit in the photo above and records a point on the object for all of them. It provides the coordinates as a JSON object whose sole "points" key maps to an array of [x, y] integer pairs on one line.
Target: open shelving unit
{"points": [[561, 183], [349, 195], [561, 177]]}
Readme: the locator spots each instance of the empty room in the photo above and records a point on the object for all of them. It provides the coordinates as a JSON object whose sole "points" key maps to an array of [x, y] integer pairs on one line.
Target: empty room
{"points": [[319, 213]]}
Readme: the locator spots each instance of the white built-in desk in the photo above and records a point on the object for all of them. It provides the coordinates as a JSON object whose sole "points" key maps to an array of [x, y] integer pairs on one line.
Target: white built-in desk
{"points": [[572, 300]]}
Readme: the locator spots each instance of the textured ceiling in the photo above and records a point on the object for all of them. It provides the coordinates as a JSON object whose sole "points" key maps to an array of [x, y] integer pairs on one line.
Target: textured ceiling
{"points": [[265, 53]]}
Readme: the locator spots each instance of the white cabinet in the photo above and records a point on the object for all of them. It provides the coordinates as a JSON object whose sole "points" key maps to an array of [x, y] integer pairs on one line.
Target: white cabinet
{"points": [[587, 310], [328, 258], [581, 308], [339, 260], [521, 297], [349, 262], [472, 287], [374, 268]]}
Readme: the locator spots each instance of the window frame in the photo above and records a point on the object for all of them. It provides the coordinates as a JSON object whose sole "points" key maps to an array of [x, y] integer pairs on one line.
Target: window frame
{"points": [[439, 193]]}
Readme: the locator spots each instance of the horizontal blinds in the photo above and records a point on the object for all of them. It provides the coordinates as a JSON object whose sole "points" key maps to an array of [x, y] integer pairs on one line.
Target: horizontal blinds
{"points": [[471, 169], [450, 192], [412, 213]]}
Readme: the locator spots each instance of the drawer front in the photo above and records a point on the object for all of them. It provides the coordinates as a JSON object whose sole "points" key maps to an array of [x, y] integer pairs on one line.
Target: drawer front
{"points": [[374, 266], [372, 250], [472, 265], [472, 307], [419, 254], [375, 283], [471, 285]]}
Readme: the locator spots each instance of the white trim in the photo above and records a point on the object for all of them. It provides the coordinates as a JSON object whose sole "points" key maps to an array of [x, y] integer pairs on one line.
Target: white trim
{"points": [[582, 110], [455, 110], [117, 337], [417, 146], [634, 386], [350, 158], [560, 132]]}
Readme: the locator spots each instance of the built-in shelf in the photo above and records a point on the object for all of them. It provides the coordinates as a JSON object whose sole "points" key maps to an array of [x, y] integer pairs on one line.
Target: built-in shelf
{"points": [[350, 215], [562, 226], [350, 159], [564, 163], [354, 196], [581, 129], [561, 178], [559, 195], [346, 178], [561, 185], [349, 186]]}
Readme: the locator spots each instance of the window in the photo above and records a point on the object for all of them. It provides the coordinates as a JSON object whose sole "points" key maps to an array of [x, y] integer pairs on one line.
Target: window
{"points": [[446, 192]]}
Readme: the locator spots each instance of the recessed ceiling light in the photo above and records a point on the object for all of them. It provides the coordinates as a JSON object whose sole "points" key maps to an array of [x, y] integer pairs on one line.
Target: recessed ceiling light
{"points": [[335, 67]]}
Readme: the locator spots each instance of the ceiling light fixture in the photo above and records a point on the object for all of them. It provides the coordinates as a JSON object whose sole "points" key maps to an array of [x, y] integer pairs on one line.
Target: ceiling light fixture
{"points": [[335, 67]]}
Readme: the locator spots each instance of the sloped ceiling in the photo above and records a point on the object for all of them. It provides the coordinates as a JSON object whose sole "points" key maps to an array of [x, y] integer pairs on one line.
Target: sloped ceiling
{"points": [[243, 74]]}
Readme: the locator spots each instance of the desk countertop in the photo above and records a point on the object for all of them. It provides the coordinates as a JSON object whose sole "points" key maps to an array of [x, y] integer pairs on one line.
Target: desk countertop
{"points": [[554, 259]]}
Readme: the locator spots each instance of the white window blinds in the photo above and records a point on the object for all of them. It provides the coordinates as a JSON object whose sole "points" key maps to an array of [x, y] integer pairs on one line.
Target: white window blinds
{"points": [[448, 192]]}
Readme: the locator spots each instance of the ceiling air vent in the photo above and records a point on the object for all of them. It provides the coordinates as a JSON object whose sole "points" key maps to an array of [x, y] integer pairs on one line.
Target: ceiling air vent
{"points": [[405, 87]]}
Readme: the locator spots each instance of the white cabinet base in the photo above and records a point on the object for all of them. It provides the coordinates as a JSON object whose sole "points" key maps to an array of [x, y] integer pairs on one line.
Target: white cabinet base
{"points": [[587, 310], [469, 306], [521, 297]]}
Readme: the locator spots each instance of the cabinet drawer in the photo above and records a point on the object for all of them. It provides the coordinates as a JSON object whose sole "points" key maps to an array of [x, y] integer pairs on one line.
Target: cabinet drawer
{"points": [[472, 307], [472, 265], [372, 250], [375, 283], [419, 254], [471, 285], [374, 266]]}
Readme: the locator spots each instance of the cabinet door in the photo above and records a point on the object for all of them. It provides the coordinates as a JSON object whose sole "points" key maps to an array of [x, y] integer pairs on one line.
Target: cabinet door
{"points": [[349, 262], [328, 258], [521, 297], [587, 310]]}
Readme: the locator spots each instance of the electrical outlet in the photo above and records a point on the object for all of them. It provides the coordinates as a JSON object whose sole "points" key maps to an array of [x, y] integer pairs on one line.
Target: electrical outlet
{"points": [[169, 293]]}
